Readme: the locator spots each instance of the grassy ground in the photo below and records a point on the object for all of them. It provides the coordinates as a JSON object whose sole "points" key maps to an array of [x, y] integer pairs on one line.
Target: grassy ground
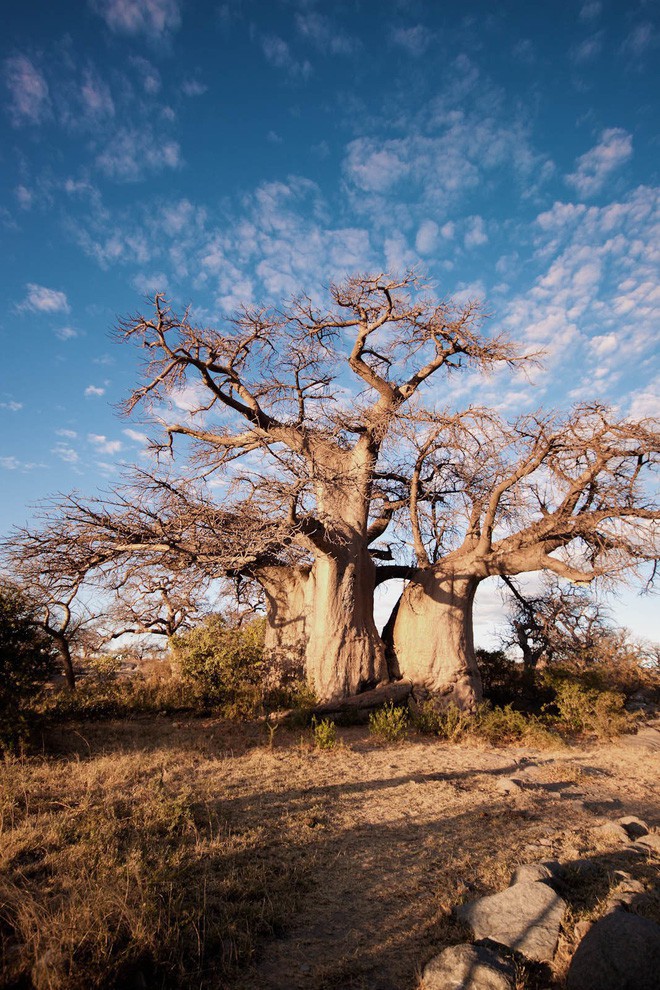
{"points": [[169, 852]]}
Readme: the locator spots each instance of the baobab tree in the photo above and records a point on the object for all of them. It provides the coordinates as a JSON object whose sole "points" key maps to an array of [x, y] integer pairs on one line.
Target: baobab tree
{"points": [[565, 495], [281, 383]]}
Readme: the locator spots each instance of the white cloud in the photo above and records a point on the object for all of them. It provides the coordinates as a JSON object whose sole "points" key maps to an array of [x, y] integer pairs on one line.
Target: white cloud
{"points": [[149, 76], [594, 168], [193, 87], [24, 197], [414, 40], [40, 299], [66, 333], [279, 55], [324, 34], [590, 10], [640, 40], [69, 434], [94, 390], [151, 17], [11, 406], [427, 237], [13, 464], [476, 234], [136, 436], [149, 285], [96, 97], [30, 103], [66, 453], [130, 153], [587, 50], [104, 445]]}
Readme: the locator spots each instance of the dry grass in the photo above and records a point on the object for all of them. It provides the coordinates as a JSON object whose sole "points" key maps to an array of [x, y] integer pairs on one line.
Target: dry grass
{"points": [[167, 852]]}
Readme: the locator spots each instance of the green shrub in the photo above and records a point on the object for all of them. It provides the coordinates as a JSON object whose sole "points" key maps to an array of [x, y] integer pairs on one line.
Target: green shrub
{"points": [[446, 723], [586, 709], [389, 723], [224, 664], [325, 733], [501, 726], [26, 661]]}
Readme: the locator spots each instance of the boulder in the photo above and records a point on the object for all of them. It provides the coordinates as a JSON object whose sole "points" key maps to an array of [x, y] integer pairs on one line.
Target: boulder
{"points": [[535, 872], [648, 844], [619, 952], [635, 827], [525, 917], [468, 967]]}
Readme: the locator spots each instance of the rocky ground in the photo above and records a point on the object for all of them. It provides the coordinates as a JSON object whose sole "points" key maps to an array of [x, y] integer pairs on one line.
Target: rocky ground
{"points": [[384, 845]]}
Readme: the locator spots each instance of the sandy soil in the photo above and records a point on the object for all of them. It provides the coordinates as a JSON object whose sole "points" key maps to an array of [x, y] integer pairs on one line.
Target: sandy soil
{"points": [[382, 840]]}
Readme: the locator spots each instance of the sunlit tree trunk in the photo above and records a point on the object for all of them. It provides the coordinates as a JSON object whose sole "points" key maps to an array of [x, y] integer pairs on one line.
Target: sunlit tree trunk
{"points": [[345, 654], [433, 637]]}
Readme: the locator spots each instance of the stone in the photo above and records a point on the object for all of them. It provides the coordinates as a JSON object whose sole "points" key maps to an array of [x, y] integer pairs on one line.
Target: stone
{"points": [[507, 785], [619, 952], [646, 739], [535, 872], [525, 917], [648, 844], [468, 967], [611, 832], [635, 827]]}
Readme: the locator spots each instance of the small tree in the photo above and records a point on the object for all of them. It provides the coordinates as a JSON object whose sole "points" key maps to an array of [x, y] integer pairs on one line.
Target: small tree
{"points": [[26, 657]]}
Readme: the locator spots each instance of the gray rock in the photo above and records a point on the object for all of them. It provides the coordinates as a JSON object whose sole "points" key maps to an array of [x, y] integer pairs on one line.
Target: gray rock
{"points": [[635, 827], [619, 952], [611, 832], [468, 967], [648, 844], [507, 785], [535, 872], [525, 917]]}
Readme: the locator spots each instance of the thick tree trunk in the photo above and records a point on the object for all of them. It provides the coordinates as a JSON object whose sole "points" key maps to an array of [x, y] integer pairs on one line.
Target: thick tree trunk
{"points": [[287, 618], [345, 654], [433, 637]]}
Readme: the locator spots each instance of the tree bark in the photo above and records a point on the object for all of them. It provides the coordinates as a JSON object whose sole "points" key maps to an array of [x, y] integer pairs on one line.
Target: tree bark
{"points": [[433, 637], [64, 651], [287, 620], [345, 654]]}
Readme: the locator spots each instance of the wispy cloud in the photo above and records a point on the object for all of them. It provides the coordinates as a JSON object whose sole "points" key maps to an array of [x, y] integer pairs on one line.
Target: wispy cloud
{"points": [[11, 406], [30, 103], [325, 34], [94, 390], [66, 333], [153, 18], [590, 10], [40, 299], [14, 464], [414, 40], [193, 87], [103, 445], [278, 53], [587, 50], [595, 167], [66, 453], [131, 153], [641, 39]]}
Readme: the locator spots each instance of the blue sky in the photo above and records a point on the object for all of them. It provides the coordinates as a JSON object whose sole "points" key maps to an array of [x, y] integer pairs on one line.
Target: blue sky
{"points": [[240, 151]]}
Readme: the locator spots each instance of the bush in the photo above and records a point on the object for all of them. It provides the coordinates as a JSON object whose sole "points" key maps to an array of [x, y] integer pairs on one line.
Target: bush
{"points": [[224, 665], [446, 723], [26, 661], [325, 733], [585, 709], [389, 723]]}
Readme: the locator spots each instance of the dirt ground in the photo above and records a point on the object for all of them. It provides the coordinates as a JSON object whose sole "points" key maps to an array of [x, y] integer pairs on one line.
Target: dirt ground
{"points": [[380, 841]]}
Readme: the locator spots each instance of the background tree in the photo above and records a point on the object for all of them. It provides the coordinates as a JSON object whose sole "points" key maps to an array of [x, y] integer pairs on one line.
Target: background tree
{"points": [[569, 496], [26, 657], [558, 622]]}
